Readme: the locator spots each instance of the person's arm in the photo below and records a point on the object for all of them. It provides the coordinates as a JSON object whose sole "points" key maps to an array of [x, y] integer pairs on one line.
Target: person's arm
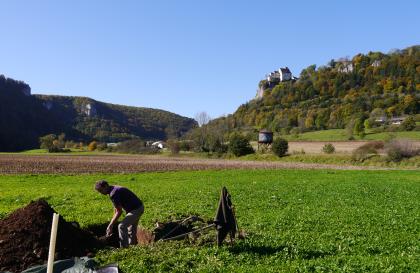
{"points": [[117, 214]]}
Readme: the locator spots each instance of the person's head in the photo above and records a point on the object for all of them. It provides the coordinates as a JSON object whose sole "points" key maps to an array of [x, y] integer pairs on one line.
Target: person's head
{"points": [[102, 186]]}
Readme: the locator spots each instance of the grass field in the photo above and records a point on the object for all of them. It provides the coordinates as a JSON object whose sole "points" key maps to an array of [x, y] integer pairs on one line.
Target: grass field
{"points": [[295, 220], [340, 135]]}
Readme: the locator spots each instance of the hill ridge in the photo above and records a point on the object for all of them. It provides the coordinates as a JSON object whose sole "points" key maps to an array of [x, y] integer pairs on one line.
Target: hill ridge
{"points": [[25, 117]]}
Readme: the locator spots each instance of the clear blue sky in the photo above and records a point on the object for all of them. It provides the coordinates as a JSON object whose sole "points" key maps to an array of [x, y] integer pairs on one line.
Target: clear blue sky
{"points": [[188, 56]]}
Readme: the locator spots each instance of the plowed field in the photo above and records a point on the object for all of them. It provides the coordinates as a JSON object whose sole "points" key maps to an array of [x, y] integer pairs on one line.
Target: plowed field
{"points": [[69, 164]]}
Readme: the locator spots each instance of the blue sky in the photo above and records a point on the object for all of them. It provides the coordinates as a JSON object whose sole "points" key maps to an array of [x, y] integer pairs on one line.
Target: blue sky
{"points": [[187, 56]]}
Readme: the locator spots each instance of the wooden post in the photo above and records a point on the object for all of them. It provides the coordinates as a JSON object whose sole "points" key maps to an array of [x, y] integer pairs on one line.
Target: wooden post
{"points": [[51, 251]]}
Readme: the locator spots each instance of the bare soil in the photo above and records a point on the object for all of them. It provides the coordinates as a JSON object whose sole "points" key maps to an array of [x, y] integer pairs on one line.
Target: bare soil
{"points": [[25, 236], [315, 147], [72, 164]]}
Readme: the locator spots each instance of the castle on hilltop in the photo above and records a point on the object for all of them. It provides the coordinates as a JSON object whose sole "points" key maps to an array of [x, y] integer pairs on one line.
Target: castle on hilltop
{"points": [[281, 75], [274, 78]]}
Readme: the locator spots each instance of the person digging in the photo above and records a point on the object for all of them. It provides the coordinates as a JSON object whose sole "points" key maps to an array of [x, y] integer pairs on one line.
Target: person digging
{"points": [[122, 198]]}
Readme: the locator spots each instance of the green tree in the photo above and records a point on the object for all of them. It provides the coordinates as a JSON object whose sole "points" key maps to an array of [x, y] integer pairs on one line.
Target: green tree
{"points": [[409, 124], [174, 146], [61, 141], [367, 123], [239, 145], [328, 148], [53, 143], [92, 146], [280, 147], [47, 141], [359, 128]]}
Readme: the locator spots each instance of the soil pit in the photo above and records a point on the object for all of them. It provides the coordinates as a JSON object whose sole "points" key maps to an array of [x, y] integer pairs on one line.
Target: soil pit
{"points": [[25, 236], [189, 227], [99, 232]]}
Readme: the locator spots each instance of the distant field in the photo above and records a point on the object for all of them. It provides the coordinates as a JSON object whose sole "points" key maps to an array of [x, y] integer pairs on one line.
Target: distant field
{"points": [[112, 163], [340, 135], [315, 147], [295, 220], [72, 152]]}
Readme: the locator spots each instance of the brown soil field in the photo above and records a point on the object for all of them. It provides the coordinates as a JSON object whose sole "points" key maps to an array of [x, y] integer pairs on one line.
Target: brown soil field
{"points": [[343, 147], [74, 164], [315, 147]]}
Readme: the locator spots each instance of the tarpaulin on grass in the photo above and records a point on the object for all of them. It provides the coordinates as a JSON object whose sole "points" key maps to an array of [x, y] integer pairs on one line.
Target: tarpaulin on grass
{"points": [[75, 265]]}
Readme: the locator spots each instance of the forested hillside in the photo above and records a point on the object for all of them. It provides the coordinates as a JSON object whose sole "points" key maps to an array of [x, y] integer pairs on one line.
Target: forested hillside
{"points": [[366, 87], [364, 92], [24, 118]]}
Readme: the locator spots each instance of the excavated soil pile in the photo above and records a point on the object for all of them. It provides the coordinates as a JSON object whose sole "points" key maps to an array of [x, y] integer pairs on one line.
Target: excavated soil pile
{"points": [[25, 235]]}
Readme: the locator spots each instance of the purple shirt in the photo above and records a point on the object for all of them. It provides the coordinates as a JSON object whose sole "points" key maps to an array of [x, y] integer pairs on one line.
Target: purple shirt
{"points": [[125, 198]]}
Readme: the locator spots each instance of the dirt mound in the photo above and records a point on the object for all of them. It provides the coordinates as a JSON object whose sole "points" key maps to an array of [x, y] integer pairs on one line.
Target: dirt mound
{"points": [[25, 235]]}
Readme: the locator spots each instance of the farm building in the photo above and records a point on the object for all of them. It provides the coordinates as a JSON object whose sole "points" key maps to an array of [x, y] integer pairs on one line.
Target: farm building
{"points": [[393, 121], [397, 120], [381, 120], [158, 144]]}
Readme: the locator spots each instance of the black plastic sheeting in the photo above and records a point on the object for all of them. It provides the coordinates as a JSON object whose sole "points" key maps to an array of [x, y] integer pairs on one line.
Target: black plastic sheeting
{"points": [[225, 219]]}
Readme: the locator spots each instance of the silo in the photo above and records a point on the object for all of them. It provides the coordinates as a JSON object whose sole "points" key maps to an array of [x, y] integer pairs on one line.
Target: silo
{"points": [[265, 137]]}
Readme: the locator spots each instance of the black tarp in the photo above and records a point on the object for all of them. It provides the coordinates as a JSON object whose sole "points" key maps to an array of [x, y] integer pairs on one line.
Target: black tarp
{"points": [[225, 217]]}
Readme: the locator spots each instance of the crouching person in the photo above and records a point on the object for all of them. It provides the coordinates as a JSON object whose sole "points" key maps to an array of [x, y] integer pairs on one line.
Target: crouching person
{"points": [[123, 198]]}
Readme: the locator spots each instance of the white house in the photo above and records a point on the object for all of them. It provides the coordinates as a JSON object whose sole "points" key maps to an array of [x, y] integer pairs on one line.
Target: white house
{"points": [[112, 144], [158, 144], [376, 63], [381, 119], [397, 120]]}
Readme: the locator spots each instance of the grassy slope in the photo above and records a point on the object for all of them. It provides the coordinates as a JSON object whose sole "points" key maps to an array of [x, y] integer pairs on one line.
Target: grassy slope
{"points": [[340, 135], [306, 221]]}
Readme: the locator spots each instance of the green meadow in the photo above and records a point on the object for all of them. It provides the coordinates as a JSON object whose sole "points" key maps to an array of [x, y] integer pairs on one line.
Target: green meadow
{"points": [[294, 220], [341, 135]]}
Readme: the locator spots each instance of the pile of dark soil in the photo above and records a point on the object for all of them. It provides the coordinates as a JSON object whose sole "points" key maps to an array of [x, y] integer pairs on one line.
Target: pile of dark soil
{"points": [[25, 236]]}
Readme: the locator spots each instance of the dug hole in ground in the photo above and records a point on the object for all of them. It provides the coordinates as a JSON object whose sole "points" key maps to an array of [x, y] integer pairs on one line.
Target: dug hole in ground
{"points": [[25, 235]]}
